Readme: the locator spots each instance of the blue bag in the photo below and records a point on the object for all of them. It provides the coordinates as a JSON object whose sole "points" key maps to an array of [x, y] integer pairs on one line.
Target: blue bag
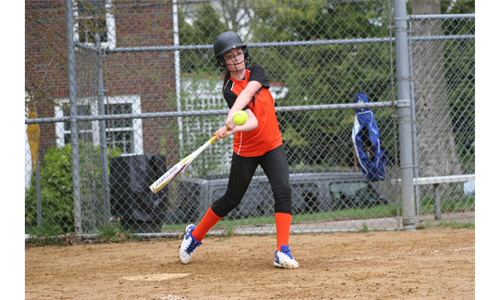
{"points": [[366, 139]]}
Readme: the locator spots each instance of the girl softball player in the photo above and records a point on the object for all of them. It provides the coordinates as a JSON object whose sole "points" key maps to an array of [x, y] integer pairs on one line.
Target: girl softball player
{"points": [[257, 142]]}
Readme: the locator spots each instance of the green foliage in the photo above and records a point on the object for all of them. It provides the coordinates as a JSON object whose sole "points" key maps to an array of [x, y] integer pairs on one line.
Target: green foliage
{"points": [[114, 233], [326, 74], [460, 81], [56, 190], [318, 74], [309, 21], [313, 75], [46, 240], [458, 6], [230, 228], [447, 204], [205, 27]]}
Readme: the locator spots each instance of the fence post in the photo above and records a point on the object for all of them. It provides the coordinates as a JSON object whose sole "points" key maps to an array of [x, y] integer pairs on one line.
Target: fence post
{"points": [[437, 202], [102, 129], [73, 109], [39, 217], [177, 63], [404, 111]]}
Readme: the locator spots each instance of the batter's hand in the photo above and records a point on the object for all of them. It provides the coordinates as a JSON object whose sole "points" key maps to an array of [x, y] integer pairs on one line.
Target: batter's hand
{"points": [[229, 121], [222, 133]]}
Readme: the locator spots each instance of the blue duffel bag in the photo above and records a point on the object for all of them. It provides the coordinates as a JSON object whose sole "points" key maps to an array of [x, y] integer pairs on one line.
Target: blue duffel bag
{"points": [[366, 139]]}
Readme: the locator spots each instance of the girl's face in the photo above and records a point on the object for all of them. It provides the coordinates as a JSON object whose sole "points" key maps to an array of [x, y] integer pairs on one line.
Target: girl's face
{"points": [[235, 60]]}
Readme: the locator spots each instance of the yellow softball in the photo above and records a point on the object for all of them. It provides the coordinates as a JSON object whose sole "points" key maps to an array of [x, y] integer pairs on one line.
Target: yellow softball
{"points": [[240, 117]]}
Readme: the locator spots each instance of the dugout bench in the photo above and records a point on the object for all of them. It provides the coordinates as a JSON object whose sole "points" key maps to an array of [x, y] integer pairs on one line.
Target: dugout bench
{"points": [[436, 181]]}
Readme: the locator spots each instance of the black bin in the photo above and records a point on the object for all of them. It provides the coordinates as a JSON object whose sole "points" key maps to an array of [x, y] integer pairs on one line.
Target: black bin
{"points": [[139, 209]]}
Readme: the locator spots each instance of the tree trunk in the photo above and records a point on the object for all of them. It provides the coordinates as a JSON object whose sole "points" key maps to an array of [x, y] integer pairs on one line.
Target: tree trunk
{"points": [[437, 153]]}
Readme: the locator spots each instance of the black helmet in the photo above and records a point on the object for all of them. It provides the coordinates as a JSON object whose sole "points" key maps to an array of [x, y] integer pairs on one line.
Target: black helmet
{"points": [[226, 41]]}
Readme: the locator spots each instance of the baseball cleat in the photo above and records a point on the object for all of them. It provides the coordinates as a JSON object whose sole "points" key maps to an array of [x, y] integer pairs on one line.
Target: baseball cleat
{"points": [[189, 243], [283, 259]]}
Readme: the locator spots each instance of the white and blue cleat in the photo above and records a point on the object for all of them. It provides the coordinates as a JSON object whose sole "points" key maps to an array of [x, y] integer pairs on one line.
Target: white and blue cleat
{"points": [[283, 259], [189, 244]]}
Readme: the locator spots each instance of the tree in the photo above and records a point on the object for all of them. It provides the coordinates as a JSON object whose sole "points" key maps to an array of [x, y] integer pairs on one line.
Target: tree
{"points": [[436, 148], [460, 79]]}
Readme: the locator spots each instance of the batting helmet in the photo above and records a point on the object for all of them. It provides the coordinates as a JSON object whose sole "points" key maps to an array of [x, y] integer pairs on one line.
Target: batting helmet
{"points": [[226, 41]]}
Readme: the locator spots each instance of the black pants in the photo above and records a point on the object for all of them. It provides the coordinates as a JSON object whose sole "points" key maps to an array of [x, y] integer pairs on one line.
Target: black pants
{"points": [[275, 165]]}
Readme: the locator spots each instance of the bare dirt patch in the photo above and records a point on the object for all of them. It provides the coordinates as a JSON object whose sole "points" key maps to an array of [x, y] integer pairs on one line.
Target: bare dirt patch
{"points": [[424, 264]]}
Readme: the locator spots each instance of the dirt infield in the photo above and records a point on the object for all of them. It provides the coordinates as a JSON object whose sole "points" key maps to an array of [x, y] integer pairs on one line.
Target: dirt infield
{"points": [[424, 264]]}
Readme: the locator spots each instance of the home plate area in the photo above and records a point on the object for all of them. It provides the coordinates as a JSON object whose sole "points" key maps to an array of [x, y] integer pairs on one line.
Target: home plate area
{"points": [[155, 277]]}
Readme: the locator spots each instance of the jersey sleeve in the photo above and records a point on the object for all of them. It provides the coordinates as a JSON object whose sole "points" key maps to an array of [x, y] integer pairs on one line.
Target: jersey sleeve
{"points": [[257, 73], [230, 98]]}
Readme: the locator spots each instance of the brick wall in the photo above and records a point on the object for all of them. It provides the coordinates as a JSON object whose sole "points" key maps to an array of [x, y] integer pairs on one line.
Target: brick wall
{"points": [[148, 74]]}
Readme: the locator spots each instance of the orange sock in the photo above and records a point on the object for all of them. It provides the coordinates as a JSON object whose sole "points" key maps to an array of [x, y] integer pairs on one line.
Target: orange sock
{"points": [[208, 221], [283, 222]]}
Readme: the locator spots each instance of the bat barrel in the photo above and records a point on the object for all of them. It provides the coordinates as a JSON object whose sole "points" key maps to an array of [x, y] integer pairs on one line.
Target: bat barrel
{"points": [[178, 168], [152, 188]]}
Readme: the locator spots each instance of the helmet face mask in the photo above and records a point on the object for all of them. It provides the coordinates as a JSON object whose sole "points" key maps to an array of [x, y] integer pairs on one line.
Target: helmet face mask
{"points": [[225, 42]]}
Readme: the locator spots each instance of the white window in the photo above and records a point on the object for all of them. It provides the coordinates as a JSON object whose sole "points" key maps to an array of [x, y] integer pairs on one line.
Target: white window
{"points": [[125, 134], [95, 16]]}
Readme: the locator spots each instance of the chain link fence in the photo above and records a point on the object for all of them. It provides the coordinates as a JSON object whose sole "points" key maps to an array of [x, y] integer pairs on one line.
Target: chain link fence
{"points": [[443, 71], [147, 93]]}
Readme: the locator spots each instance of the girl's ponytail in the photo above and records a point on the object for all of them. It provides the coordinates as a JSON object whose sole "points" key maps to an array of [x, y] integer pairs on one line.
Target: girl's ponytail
{"points": [[227, 75]]}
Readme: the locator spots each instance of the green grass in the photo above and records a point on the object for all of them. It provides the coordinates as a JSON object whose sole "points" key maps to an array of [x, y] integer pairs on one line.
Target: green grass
{"points": [[106, 233], [114, 233], [452, 224], [464, 203], [46, 230], [381, 211], [230, 228], [46, 240]]}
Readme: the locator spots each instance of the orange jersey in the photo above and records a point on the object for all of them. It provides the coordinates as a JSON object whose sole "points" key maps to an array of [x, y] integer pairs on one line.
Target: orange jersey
{"points": [[267, 135]]}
